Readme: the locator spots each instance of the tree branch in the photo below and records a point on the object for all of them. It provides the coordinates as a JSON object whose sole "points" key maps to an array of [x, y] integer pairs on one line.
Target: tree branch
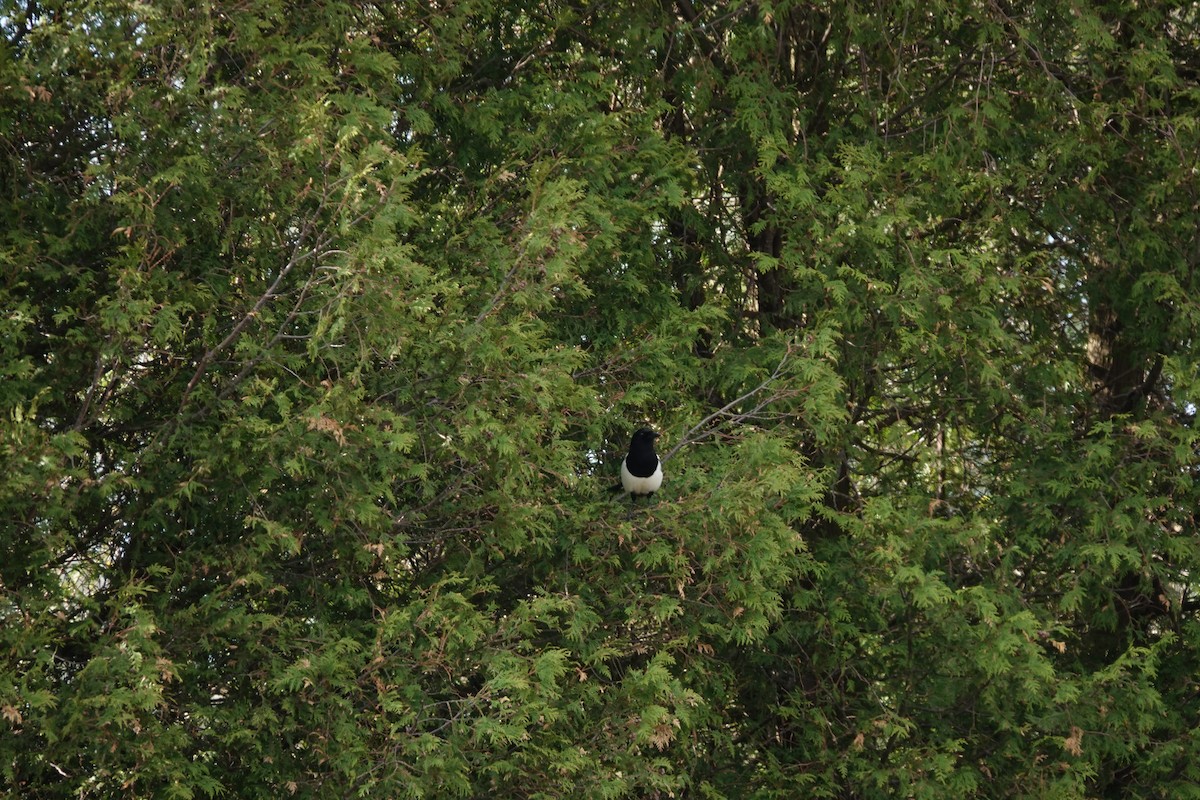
{"points": [[687, 438]]}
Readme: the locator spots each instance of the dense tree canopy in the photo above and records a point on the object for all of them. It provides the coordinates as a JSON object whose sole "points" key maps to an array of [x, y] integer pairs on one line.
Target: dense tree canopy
{"points": [[325, 326]]}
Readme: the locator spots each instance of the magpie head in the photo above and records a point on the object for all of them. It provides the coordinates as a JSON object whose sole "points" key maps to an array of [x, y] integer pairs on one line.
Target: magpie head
{"points": [[643, 439]]}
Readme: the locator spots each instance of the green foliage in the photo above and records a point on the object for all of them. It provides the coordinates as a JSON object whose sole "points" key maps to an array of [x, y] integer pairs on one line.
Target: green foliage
{"points": [[326, 325]]}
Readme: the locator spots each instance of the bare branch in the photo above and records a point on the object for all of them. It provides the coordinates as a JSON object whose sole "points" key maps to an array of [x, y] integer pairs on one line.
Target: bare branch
{"points": [[724, 410], [270, 294]]}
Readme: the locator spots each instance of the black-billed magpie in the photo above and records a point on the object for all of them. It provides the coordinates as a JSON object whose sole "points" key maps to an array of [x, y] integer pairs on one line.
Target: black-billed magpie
{"points": [[641, 471]]}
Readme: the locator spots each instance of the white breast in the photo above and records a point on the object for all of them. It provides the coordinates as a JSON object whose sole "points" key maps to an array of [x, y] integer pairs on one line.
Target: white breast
{"points": [[635, 485]]}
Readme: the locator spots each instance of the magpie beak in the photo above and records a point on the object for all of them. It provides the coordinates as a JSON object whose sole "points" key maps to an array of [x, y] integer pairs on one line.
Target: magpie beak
{"points": [[641, 471]]}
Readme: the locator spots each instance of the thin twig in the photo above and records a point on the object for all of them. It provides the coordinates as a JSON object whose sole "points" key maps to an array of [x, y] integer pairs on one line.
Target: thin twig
{"points": [[267, 296], [687, 437]]}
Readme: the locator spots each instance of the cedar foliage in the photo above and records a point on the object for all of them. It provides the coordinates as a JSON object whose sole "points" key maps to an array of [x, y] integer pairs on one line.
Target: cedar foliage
{"points": [[325, 326]]}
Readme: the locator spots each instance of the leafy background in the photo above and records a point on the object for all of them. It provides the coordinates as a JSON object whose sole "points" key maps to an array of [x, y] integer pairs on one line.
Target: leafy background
{"points": [[325, 326]]}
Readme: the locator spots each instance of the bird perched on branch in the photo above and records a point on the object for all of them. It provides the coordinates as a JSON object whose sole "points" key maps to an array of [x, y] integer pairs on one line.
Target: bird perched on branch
{"points": [[641, 471]]}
